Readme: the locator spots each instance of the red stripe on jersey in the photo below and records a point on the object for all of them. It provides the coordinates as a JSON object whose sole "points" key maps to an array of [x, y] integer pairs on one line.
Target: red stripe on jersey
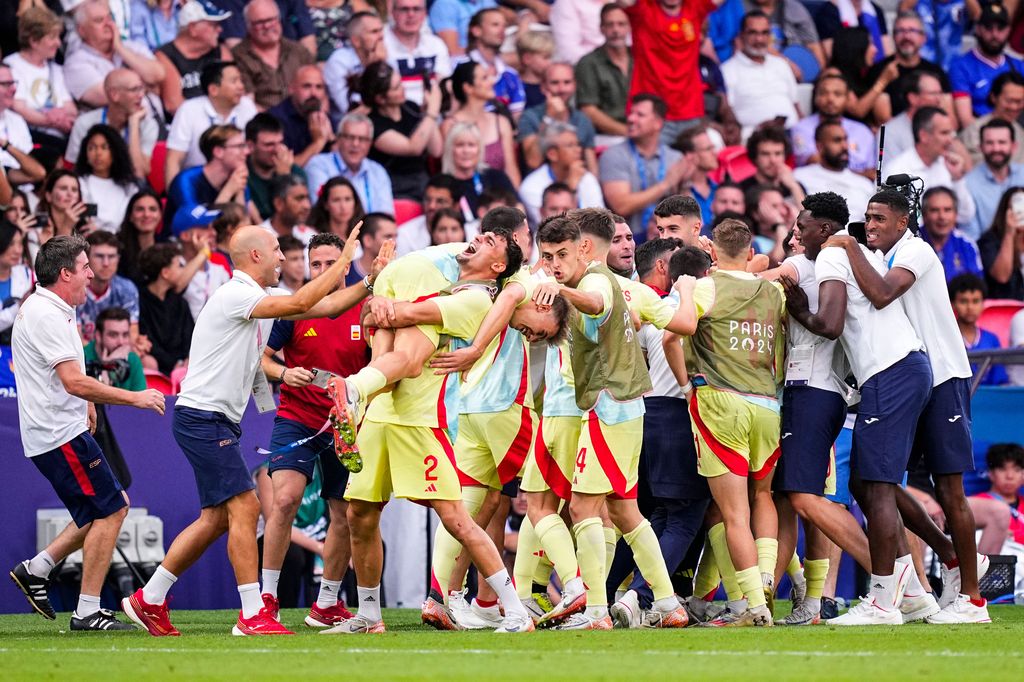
{"points": [[427, 297], [729, 457], [512, 462], [442, 409], [442, 437], [76, 468], [606, 458], [524, 376], [549, 470]]}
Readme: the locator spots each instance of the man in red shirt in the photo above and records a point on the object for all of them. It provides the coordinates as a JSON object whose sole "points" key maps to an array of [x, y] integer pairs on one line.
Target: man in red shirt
{"points": [[666, 46], [332, 344]]}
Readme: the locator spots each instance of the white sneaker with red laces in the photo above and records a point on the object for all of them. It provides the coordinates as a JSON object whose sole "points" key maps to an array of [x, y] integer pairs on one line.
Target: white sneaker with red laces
{"points": [[962, 610], [262, 623]]}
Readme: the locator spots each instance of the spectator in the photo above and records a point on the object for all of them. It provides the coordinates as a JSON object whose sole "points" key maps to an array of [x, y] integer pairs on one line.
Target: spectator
{"points": [[184, 58], [768, 148], [621, 256], [106, 289], [337, 208], [441, 192], [723, 26], [62, 203], [293, 269], [346, 64], [699, 151], [1004, 464], [450, 21], [269, 158], [944, 24], [923, 89], [126, 114], [463, 160], [111, 352], [413, 51], [638, 173], [972, 73], [404, 135], [792, 26], [534, 49], [306, 115], [225, 103], [967, 294], [831, 93], [164, 316], [988, 181], [106, 176], [154, 22], [487, 33], [575, 27], [833, 16], [558, 198], [564, 163], [296, 25], [267, 61], [372, 183], [330, 23], [729, 197], [559, 87], [1002, 250], [958, 252], [17, 211], [447, 226], [101, 51], [377, 229], [223, 178], [770, 218], [16, 278], [602, 75], [935, 160], [15, 137], [832, 172], [908, 35], [142, 223], [853, 55], [666, 43], [42, 97], [1007, 99], [291, 208], [473, 88], [232, 216], [760, 85]]}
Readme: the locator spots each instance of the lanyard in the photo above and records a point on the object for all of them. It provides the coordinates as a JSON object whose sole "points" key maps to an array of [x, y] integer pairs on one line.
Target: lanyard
{"points": [[103, 119], [478, 185], [641, 169], [343, 171]]}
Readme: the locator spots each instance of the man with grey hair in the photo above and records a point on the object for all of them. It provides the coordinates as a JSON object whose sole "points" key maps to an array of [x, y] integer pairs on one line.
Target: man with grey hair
{"points": [[348, 159], [563, 156], [56, 419], [346, 64], [268, 61]]}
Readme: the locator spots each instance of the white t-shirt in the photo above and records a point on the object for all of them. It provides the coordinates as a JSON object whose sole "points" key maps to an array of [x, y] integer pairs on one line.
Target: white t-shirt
{"points": [[760, 91], [874, 339], [14, 129], [856, 189], [825, 350], [531, 191], [45, 335], [926, 303], [111, 200], [935, 175], [413, 235], [41, 87], [192, 119], [226, 348]]}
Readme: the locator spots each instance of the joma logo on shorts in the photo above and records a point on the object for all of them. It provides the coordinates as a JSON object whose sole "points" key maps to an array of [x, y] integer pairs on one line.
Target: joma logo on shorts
{"points": [[94, 464], [225, 442]]}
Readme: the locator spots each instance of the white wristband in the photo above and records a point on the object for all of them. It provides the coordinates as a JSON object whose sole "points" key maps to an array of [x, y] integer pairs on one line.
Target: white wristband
{"points": [[687, 387]]}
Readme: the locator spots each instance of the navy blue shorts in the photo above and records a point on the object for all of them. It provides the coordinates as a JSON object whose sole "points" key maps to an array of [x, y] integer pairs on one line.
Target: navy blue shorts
{"points": [[303, 457], [943, 439], [668, 459], [811, 421], [511, 489], [210, 443], [890, 404], [82, 479]]}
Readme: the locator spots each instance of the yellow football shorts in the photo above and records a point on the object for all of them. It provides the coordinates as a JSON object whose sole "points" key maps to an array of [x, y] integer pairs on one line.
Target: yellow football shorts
{"points": [[733, 435], [608, 457], [491, 447], [830, 477], [550, 465]]}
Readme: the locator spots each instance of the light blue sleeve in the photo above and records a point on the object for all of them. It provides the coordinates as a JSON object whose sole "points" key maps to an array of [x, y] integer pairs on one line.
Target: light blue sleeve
{"points": [[444, 16], [318, 171]]}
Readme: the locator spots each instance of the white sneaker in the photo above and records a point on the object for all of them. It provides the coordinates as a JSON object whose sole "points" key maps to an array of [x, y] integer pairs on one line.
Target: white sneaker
{"points": [[515, 622], [626, 611], [462, 612], [802, 614], [582, 621], [867, 612], [961, 611], [951, 581], [918, 608]]}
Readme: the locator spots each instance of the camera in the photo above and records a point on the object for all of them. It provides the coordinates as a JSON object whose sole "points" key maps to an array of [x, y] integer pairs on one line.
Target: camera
{"points": [[911, 187], [117, 370]]}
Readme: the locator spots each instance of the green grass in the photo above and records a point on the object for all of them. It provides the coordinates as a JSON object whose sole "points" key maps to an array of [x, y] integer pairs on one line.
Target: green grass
{"points": [[34, 649]]}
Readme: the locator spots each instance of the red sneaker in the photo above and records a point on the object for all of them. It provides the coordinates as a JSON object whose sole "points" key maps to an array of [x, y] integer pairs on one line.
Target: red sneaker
{"points": [[329, 617], [154, 617], [272, 606], [262, 623]]}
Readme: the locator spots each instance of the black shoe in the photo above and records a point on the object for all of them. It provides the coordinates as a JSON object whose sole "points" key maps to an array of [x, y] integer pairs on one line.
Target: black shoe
{"points": [[34, 588], [101, 620], [829, 608]]}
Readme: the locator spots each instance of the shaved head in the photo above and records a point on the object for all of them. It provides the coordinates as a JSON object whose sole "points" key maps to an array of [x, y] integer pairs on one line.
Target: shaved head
{"points": [[255, 251]]}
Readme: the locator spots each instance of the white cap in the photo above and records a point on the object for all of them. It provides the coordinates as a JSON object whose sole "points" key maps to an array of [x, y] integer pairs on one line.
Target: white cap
{"points": [[199, 10]]}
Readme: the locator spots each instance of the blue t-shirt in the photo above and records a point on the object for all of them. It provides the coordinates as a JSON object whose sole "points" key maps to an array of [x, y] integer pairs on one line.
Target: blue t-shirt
{"points": [[943, 28], [724, 26], [996, 374], [972, 76], [454, 15], [959, 255], [5, 291], [189, 188]]}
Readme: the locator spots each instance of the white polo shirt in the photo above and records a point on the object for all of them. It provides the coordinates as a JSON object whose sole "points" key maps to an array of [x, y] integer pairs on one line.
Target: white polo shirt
{"points": [[927, 305], [663, 381], [227, 345], [45, 335], [192, 119], [825, 350], [874, 339]]}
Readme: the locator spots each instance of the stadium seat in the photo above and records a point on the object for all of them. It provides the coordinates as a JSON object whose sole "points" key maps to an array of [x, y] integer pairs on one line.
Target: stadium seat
{"points": [[733, 161], [406, 210], [158, 381], [156, 167], [997, 315]]}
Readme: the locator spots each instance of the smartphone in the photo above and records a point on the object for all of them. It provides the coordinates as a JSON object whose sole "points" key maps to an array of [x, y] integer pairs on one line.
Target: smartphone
{"points": [[42, 219], [1017, 206], [320, 377], [90, 210]]}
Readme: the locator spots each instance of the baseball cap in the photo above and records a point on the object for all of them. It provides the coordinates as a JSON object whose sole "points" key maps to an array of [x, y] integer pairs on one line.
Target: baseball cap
{"points": [[199, 216], [994, 13], [200, 10]]}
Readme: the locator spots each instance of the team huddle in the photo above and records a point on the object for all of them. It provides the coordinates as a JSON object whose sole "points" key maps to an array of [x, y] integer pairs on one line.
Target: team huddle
{"points": [[699, 392]]}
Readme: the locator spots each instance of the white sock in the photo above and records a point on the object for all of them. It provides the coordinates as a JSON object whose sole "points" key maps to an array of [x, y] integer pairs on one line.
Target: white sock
{"points": [[270, 580], [328, 595], [737, 606], [914, 586], [87, 605], [813, 603], [369, 603], [502, 584], [41, 564], [155, 591], [252, 602], [883, 589]]}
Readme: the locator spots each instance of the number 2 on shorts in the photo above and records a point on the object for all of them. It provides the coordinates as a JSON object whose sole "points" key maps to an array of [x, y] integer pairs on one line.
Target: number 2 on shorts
{"points": [[430, 461]]}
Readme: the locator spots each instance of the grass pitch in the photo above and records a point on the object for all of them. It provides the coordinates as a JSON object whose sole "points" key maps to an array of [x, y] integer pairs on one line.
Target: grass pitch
{"points": [[34, 649]]}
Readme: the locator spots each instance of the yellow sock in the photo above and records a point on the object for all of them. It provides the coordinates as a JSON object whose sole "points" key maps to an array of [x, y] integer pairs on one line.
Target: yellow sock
{"points": [[590, 552], [611, 538], [749, 580], [815, 572], [648, 557], [528, 553], [716, 536], [767, 555], [446, 547], [707, 578], [556, 540], [794, 567], [368, 381], [542, 575]]}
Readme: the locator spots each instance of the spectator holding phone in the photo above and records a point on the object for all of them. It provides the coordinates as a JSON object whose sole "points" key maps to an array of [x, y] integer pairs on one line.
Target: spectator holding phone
{"points": [[1002, 248], [60, 211], [106, 175]]}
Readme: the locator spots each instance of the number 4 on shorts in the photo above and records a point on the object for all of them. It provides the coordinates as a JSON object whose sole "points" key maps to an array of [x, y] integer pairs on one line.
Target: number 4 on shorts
{"points": [[581, 460]]}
